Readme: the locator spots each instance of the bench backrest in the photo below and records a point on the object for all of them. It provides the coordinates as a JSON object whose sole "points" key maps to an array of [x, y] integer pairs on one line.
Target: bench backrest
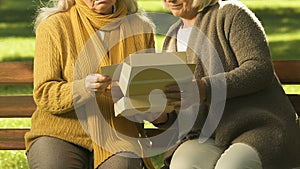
{"points": [[17, 73]]}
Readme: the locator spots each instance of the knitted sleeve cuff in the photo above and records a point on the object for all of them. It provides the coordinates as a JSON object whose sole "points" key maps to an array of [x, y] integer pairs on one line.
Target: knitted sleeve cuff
{"points": [[80, 94]]}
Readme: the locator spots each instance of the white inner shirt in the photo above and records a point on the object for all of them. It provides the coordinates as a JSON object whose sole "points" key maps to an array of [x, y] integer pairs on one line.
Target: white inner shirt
{"points": [[183, 35]]}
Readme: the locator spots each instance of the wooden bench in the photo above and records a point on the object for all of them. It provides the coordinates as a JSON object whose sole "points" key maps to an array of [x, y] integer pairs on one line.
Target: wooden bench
{"points": [[20, 73]]}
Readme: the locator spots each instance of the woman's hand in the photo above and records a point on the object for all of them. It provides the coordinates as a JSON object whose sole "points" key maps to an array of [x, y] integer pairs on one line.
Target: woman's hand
{"points": [[185, 94], [173, 95], [97, 83]]}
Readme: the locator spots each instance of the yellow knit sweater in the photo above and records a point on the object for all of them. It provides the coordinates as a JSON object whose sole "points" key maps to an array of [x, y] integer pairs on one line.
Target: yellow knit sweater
{"points": [[57, 92]]}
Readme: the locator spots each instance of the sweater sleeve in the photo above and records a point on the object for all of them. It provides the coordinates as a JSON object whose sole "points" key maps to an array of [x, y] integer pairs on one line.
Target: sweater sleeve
{"points": [[52, 91], [250, 47]]}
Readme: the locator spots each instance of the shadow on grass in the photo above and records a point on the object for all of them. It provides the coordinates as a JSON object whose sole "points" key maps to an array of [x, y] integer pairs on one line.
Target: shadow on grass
{"points": [[281, 50], [17, 59], [17, 15], [281, 21], [16, 18], [24, 29], [10, 90], [277, 21]]}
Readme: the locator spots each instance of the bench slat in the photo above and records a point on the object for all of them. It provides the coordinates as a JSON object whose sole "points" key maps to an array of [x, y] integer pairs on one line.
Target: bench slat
{"points": [[22, 72], [295, 100], [288, 71], [16, 72], [12, 139], [16, 106], [24, 106]]}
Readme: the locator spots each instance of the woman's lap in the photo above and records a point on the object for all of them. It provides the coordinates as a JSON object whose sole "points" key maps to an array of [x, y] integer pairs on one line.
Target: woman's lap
{"points": [[50, 152], [193, 154], [122, 160]]}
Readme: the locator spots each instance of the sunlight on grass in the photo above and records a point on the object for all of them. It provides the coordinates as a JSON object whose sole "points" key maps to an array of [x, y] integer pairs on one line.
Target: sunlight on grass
{"points": [[148, 125], [291, 89], [16, 47], [159, 42], [152, 5], [15, 122], [285, 36], [19, 159], [271, 4]]}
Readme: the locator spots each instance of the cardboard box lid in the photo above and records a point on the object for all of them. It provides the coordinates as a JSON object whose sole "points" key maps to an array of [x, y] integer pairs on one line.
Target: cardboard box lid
{"points": [[154, 59], [141, 80], [147, 59], [128, 106], [142, 73]]}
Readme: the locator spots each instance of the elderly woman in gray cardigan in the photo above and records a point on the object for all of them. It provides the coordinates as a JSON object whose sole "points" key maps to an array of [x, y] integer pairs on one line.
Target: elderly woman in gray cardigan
{"points": [[245, 119]]}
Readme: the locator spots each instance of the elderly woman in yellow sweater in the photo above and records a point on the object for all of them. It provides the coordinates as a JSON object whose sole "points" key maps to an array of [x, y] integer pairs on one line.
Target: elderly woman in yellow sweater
{"points": [[245, 119], [74, 124]]}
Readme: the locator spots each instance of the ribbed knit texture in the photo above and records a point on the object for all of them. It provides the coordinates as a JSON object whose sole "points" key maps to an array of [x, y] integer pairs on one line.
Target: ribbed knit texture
{"points": [[66, 51], [257, 111]]}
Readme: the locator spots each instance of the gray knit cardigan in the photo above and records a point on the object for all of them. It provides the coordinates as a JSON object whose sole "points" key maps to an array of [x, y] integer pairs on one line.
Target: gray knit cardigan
{"points": [[256, 110]]}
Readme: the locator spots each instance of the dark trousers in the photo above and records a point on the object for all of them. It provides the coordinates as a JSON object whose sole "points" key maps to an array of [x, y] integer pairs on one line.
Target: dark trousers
{"points": [[122, 161], [53, 153]]}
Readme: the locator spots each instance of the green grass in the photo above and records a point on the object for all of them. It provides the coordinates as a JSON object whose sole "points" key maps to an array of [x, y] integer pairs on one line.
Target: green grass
{"points": [[6, 90], [279, 18], [15, 123], [16, 33], [152, 5], [291, 89], [281, 22], [15, 159], [17, 48]]}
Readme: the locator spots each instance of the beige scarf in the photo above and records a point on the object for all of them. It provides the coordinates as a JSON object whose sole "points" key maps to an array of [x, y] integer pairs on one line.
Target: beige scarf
{"points": [[92, 54], [86, 22]]}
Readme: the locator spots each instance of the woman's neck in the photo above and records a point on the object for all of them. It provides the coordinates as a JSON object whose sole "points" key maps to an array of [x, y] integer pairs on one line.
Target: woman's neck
{"points": [[188, 22]]}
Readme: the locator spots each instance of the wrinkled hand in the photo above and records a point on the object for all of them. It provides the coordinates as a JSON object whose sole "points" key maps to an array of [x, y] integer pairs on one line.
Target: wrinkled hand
{"points": [[97, 83], [173, 95], [184, 96]]}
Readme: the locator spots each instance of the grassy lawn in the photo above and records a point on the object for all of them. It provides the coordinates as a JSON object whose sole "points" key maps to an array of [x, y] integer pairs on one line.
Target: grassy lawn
{"points": [[280, 19]]}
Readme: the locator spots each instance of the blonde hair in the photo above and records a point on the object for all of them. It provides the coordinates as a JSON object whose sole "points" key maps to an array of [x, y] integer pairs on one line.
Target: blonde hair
{"points": [[55, 6]]}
